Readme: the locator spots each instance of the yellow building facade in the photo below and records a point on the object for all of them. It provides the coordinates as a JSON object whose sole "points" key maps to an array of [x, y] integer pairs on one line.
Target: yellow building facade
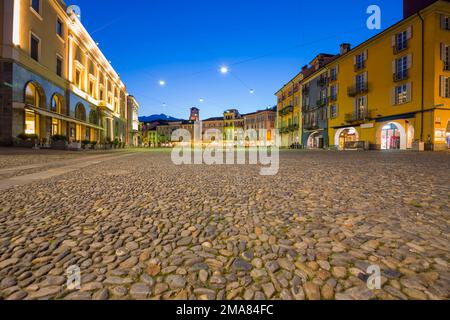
{"points": [[393, 90], [58, 82], [288, 120]]}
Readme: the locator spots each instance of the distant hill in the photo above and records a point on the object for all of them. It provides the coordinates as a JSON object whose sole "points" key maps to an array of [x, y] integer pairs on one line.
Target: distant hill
{"points": [[157, 117]]}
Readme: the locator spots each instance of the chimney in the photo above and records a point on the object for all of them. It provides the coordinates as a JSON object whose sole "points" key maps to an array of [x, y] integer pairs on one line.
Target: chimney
{"points": [[305, 67], [345, 47], [411, 7]]}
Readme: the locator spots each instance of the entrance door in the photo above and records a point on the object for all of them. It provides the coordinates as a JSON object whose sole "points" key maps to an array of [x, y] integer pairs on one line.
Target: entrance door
{"points": [[390, 137], [347, 136]]}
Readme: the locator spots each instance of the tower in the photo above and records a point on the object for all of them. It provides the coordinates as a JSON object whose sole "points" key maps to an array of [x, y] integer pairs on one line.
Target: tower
{"points": [[195, 114]]}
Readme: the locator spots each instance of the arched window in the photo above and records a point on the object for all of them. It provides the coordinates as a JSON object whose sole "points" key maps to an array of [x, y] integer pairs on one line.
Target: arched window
{"points": [[80, 112], [57, 103], [94, 117], [34, 95]]}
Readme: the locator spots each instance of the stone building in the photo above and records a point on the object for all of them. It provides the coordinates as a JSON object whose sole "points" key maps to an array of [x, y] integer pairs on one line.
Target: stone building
{"points": [[54, 78]]}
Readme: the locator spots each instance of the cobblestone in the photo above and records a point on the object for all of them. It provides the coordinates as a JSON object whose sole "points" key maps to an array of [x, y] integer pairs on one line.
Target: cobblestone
{"points": [[143, 228]]}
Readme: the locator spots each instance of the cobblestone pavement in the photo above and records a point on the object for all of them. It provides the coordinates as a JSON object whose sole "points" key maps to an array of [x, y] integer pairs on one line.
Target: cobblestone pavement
{"points": [[140, 227]]}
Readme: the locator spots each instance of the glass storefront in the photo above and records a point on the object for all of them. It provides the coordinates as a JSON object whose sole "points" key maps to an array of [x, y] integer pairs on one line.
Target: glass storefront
{"points": [[390, 137], [31, 122]]}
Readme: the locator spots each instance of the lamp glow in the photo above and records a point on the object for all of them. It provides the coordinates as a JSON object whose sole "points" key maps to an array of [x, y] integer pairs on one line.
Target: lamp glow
{"points": [[224, 70], [162, 83]]}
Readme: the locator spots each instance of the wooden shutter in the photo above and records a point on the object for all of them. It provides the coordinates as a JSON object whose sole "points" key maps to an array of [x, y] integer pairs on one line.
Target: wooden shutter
{"points": [[394, 40], [337, 89], [443, 49], [394, 66], [337, 69], [393, 99], [443, 18], [365, 54], [409, 58], [409, 92], [442, 86], [409, 32]]}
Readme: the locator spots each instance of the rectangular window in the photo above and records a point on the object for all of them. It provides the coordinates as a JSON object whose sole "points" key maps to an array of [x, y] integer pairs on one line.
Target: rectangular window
{"points": [[401, 68], [401, 41], [101, 94], [91, 88], [78, 78], [59, 64], [361, 107], [36, 5], [333, 112], [59, 28], [445, 56], [323, 97], [333, 93], [34, 47], [333, 74], [445, 87], [360, 60], [401, 94], [445, 22], [361, 82]]}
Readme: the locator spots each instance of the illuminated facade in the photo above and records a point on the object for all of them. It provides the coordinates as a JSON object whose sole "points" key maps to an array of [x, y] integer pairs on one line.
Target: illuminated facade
{"points": [[55, 80], [133, 138], [390, 92], [393, 91]]}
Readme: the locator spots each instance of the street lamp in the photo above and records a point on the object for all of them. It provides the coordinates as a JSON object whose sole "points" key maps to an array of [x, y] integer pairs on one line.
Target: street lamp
{"points": [[252, 91], [162, 83], [224, 70]]}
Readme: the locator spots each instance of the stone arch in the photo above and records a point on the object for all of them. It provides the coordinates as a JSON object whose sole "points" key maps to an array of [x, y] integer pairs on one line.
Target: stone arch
{"points": [[401, 130], [80, 112], [57, 104], [337, 137], [34, 95]]}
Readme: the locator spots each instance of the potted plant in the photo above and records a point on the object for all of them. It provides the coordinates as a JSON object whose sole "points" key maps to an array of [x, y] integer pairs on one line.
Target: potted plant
{"points": [[116, 143], [75, 145], [59, 142], [108, 144], [85, 144], [26, 140]]}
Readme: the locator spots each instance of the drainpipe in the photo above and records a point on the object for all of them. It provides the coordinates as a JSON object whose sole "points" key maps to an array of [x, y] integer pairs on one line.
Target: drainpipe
{"points": [[423, 76]]}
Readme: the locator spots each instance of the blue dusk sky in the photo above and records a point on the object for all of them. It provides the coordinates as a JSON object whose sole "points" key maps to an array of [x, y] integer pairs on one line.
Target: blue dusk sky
{"points": [[185, 42]]}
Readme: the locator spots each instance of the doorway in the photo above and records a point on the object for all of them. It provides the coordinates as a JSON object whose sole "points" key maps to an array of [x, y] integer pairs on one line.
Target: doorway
{"points": [[390, 137]]}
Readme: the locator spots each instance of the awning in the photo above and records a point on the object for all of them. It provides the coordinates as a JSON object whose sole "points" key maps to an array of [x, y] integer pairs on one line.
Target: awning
{"points": [[62, 117]]}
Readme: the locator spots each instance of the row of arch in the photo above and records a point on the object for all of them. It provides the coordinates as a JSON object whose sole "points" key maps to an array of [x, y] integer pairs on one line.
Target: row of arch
{"points": [[34, 95], [390, 136]]}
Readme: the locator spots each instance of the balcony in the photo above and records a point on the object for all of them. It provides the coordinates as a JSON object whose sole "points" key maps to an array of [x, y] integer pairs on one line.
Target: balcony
{"points": [[361, 88], [286, 111], [360, 66], [321, 103], [305, 90], [306, 107], [311, 126], [400, 76], [322, 81], [359, 116]]}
